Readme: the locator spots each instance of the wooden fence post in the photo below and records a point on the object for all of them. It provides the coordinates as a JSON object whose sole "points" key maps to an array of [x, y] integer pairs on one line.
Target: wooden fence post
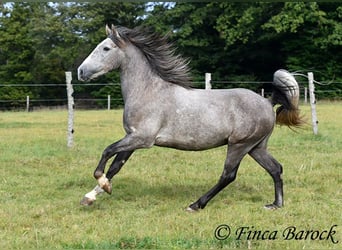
{"points": [[27, 103], [313, 103], [207, 80], [305, 95], [70, 91], [108, 102]]}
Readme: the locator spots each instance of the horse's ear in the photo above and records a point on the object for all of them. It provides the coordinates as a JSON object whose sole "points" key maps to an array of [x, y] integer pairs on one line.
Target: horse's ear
{"points": [[108, 31], [112, 31], [115, 32]]}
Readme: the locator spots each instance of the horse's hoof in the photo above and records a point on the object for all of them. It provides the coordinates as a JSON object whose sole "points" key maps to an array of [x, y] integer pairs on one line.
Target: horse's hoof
{"points": [[191, 210], [271, 207], [107, 187], [86, 201], [194, 207]]}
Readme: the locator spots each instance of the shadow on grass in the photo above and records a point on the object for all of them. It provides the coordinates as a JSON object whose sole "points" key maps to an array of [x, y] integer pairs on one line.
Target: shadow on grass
{"points": [[128, 189]]}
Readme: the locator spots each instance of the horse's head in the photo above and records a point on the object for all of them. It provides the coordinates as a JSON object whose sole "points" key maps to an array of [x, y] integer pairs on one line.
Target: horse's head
{"points": [[105, 57]]}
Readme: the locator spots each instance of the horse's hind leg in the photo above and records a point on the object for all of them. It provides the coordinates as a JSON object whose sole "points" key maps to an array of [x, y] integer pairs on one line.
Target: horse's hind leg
{"points": [[234, 156], [274, 168]]}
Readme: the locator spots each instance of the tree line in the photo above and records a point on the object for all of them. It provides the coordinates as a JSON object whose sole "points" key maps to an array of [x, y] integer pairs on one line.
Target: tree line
{"points": [[240, 43]]}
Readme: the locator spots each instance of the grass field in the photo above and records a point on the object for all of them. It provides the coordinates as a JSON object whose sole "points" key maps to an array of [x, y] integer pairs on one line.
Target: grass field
{"points": [[42, 182]]}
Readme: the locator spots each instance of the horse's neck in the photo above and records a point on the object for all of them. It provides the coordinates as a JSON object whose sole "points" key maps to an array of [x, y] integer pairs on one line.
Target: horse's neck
{"points": [[137, 78]]}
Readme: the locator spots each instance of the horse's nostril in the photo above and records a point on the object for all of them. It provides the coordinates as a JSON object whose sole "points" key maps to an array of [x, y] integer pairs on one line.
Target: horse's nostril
{"points": [[80, 74]]}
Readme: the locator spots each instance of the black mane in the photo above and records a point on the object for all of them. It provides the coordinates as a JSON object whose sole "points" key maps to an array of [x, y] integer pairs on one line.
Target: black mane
{"points": [[159, 52]]}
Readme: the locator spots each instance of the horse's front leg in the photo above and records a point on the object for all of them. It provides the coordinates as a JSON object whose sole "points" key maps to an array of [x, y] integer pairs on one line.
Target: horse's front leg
{"points": [[120, 159], [115, 167], [128, 144], [123, 148]]}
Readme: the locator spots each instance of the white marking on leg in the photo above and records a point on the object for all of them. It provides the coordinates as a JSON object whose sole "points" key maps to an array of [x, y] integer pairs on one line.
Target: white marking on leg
{"points": [[189, 209], [102, 181], [92, 194]]}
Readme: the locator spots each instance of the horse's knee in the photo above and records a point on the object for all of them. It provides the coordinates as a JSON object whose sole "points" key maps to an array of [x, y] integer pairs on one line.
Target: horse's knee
{"points": [[98, 174]]}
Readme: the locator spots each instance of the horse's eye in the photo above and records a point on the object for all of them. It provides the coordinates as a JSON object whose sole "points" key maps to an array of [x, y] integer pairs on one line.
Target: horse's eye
{"points": [[106, 48]]}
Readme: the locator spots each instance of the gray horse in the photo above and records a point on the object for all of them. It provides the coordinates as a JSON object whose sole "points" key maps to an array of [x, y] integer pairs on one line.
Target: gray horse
{"points": [[162, 109]]}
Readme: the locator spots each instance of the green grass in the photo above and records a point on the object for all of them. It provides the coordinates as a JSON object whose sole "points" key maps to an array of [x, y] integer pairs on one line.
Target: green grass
{"points": [[42, 182]]}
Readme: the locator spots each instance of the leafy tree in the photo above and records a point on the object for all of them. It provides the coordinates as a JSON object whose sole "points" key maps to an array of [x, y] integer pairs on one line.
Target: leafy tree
{"points": [[236, 42], [191, 27], [15, 51], [249, 41], [40, 41], [311, 35], [219, 38]]}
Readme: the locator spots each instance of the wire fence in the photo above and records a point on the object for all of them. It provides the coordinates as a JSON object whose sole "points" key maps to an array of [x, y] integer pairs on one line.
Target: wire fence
{"points": [[82, 99], [109, 100]]}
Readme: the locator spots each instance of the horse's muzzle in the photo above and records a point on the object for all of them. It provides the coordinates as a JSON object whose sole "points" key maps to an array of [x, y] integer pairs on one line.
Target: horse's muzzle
{"points": [[81, 74]]}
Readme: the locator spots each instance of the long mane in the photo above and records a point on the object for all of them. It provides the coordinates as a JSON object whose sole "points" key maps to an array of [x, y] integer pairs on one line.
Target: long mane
{"points": [[160, 54]]}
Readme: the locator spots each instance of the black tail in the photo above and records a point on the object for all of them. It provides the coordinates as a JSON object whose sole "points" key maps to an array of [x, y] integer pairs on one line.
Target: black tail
{"points": [[286, 93]]}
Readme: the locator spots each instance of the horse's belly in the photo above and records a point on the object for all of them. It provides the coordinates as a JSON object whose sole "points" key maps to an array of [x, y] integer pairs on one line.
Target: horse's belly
{"points": [[191, 141]]}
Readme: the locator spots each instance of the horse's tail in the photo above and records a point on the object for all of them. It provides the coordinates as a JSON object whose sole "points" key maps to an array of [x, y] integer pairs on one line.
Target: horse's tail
{"points": [[286, 93]]}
